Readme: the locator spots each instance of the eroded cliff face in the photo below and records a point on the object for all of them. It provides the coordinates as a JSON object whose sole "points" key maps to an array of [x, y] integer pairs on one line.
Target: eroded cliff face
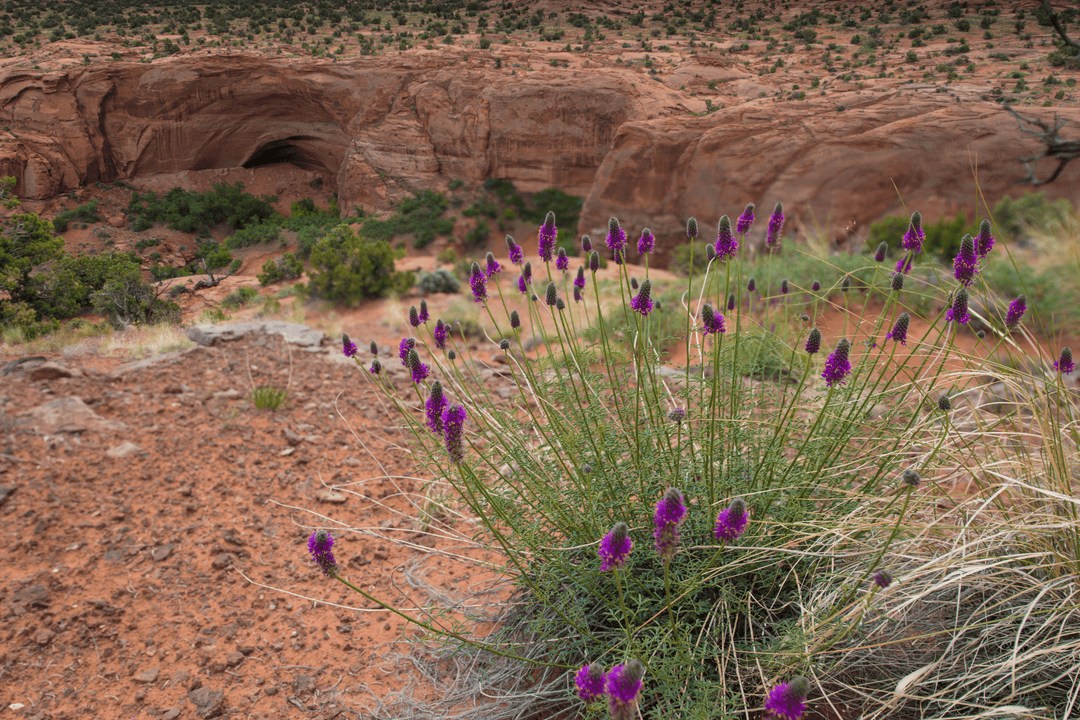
{"points": [[378, 125]]}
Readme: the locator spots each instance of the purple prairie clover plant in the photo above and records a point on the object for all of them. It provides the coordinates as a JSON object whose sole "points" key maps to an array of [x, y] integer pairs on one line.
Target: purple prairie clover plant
{"points": [[900, 329], [746, 220], [726, 244], [813, 342], [815, 286], [548, 233], [785, 286], [376, 367], [594, 262], [751, 285], [516, 254], [478, 283], [691, 228], [453, 420], [914, 237], [897, 282], [414, 316], [406, 345], [590, 682], [642, 302], [561, 261], [579, 279], [731, 522], [966, 263], [348, 347], [586, 243], [731, 302], [615, 547], [669, 516], [1065, 363], [319, 545], [881, 252], [551, 294], [424, 315], [417, 369], [711, 322], [676, 415], [958, 310], [622, 685], [492, 266], [710, 252], [616, 237], [776, 226], [526, 278], [903, 265], [374, 348], [787, 701], [441, 333], [646, 242], [985, 241], [434, 407], [883, 579], [515, 319], [578, 297], [1017, 308], [838, 366]]}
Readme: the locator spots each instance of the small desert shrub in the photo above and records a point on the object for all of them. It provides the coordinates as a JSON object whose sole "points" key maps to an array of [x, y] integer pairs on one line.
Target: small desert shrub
{"points": [[268, 397], [440, 281]]}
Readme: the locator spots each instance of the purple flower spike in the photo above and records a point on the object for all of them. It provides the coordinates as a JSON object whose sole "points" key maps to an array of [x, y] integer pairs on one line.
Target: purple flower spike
{"points": [[816, 285], [376, 367], [1017, 308], [577, 295], [691, 228], [419, 370], [548, 233], [590, 682], [623, 684], [646, 242], [586, 243], [406, 345], [813, 342], [751, 285], [424, 315], [347, 346], [453, 420], [579, 280], [434, 407], [516, 254], [523, 285], [787, 701], [414, 317], [615, 547], [493, 266], [710, 252], [561, 261], [746, 220], [882, 251], [785, 286], [914, 237], [711, 322], [478, 283], [551, 294], [883, 579], [319, 545], [985, 241], [900, 329], [642, 303], [1065, 364], [959, 309], [374, 348], [440, 334], [616, 237], [966, 262], [594, 262], [726, 244], [776, 225], [838, 367], [903, 265], [670, 513], [731, 522]]}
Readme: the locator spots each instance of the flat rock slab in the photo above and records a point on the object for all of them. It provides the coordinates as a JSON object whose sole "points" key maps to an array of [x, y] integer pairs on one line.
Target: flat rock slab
{"points": [[68, 414], [208, 703], [294, 333]]}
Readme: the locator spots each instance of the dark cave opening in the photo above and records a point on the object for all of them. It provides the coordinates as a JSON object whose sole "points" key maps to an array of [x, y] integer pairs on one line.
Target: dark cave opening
{"points": [[289, 150]]}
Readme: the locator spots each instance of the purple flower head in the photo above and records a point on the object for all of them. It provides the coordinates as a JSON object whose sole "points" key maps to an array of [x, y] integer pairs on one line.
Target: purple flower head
{"points": [[944, 403], [903, 265], [1017, 308], [594, 262], [561, 261], [691, 228], [414, 316], [813, 342], [622, 685], [838, 367], [586, 243], [615, 547], [751, 285], [910, 478], [453, 420], [577, 295], [440, 334], [478, 283], [526, 278], [914, 237], [985, 241], [319, 545], [1065, 364], [900, 329], [616, 237], [579, 279], [434, 407], [548, 233], [881, 252], [376, 367], [776, 225], [515, 319], [883, 579], [787, 701], [710, 252], [726, 244], [731, 522], [590, 682], [958, 311], [670, 513], [347, 346], [374, 348], [897, 283], [523, 284], [966, 262], [451, 355], [406, 345], [619, 257], [504, 344], [424, 315], [676, 415], [560, 304], [419, 370], [516, 254], [493, 266], [746, 220], [785, 286], [642, 302], [710, 321], [646, 242], [731, 302], [816, 285], [551, 294]]}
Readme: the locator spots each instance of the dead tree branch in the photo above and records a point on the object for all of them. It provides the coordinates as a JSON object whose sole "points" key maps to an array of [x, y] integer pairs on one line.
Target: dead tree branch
{"points": [[1057, 25], [1061, 150]]}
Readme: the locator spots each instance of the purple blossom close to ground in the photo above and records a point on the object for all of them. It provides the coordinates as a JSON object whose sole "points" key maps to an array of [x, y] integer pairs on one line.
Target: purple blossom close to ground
{"points": [[1017, 308], [838, 367], [453, 420], [642, 302], [319, 545], [787, 701], [670, 514], [1065, 363], [615, 547], [711, 322], [883, 579], [731, 522], [622, 684], [590, 682], [900, 329]]}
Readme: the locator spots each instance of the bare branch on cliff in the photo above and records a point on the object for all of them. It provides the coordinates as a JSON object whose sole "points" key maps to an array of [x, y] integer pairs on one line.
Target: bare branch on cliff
{"points": [[1061, 150], [1057, 25]]}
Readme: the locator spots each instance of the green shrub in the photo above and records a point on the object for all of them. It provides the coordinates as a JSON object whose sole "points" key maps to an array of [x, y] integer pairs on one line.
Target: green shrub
{"points": [[349, 269], [942, 237], [127, 299], [85, 213], [417, 216], [440, 281], [287, 267], [240, 297], [191, 212], [447, 257], [1031, 212], [268, 397]]}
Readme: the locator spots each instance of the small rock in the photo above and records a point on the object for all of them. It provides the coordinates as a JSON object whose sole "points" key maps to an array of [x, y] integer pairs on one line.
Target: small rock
{"points": [[44, 636], [119, 221], [32, 596], [229, 395], [303, 684], [5, 493], [171, 714], [208, 703], [331, 496], [52, 371], [291, 437], [163, 552], [234, 658], [147, 676], [123, 450], [69, 414], [173, 389], [222, 561]]}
